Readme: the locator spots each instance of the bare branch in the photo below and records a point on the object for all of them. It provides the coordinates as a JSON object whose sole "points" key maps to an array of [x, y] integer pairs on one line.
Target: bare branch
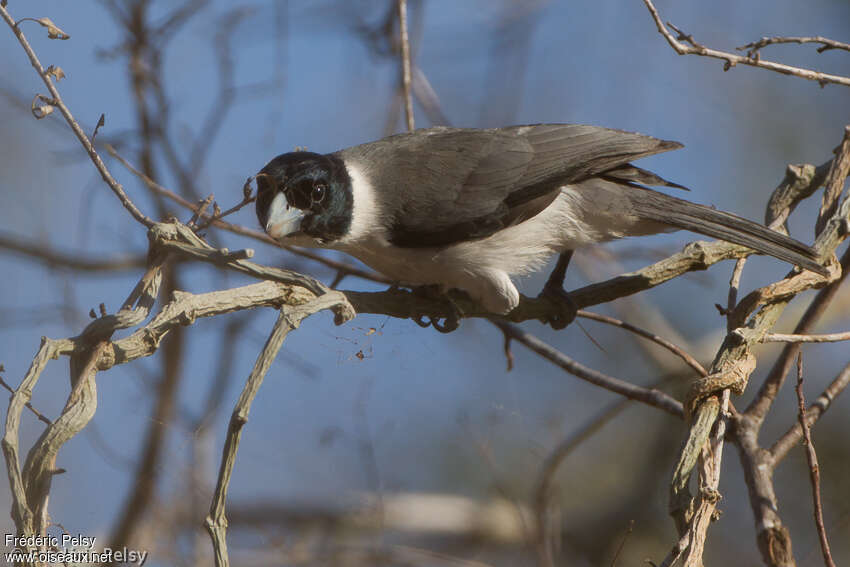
{"points": [[790, 439], [41, 417], [732, 296], [686, 45], [834, 183], [289, 319], [51, 257], [675, 349], [690, 546], [766, 394], [799, 183], [825, 44], [78, 131], [22, 513], [200, 211], [814, 469], [186, 307], [825, 338], [648, 396], [546, 477], [31, 484], [405, 64], [750, 321], [622, 543]]}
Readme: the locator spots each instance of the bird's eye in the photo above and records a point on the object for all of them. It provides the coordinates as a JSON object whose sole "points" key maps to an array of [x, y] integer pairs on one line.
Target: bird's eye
{"points": [[318, 192]]}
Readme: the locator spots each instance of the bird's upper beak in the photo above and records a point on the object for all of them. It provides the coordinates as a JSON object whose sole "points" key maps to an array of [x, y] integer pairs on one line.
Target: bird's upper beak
{"points": [[284, 219]]}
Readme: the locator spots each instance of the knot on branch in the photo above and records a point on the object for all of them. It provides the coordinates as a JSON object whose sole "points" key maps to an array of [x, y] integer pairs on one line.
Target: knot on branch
{"points": [[710, 494], [151, 338], [697, 251], [733, 375], [187, 317], [107, 358]]}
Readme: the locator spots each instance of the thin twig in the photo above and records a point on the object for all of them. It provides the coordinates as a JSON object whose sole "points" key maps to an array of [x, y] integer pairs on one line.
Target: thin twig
{"points": [[648, 396], [41, 417], [825, 44], [623, 543], [685, 44], [247, 199], [200, 211], [825, 338], [546, 477], [791, 437], [405, 64], [814, 468], [72, 122], [675, 349]]}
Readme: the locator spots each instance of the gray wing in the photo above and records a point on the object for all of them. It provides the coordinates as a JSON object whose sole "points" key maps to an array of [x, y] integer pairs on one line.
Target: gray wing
{"points": [[444, 185]]}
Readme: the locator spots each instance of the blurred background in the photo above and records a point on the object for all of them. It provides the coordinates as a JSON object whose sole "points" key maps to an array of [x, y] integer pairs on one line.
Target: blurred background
{"points": [[377, 442]]}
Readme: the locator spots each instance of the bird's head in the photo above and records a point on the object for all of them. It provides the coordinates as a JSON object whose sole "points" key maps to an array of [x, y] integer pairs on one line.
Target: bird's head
{"points": [[304, 194]]}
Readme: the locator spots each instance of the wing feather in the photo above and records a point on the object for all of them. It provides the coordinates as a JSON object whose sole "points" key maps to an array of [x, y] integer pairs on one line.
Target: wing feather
{"points": [[444, 185]]}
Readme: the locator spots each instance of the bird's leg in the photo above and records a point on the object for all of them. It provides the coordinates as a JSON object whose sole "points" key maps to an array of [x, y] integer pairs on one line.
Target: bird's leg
{"points": [[450, 322], [554, 291]]}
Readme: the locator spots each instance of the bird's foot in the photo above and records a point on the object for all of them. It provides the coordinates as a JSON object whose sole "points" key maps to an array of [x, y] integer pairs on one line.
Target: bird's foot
{"points": [[449, 322], [565, 309]]}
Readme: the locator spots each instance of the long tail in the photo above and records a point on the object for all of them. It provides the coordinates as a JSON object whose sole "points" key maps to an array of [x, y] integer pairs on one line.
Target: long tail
{"points": [[654, 206]]}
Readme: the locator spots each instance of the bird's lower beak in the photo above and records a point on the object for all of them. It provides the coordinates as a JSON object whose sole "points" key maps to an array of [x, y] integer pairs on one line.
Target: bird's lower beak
{"points": [[284, 219]]}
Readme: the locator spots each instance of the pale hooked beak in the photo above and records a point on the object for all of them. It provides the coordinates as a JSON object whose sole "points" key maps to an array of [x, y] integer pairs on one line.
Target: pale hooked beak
{"points": [[284, 219]]}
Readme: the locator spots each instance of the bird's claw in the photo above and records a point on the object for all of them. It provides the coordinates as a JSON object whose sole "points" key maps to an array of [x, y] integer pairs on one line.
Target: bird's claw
{"points": [[449, 323], [565, 309]]}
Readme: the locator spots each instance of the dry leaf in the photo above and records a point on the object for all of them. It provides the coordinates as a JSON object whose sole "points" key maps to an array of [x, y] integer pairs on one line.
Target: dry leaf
{"points": [[57, 72], [53, 31], [41, 110]]}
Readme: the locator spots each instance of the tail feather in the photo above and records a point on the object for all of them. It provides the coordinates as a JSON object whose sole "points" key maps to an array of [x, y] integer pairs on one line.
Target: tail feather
{"points": [[654, 206]]}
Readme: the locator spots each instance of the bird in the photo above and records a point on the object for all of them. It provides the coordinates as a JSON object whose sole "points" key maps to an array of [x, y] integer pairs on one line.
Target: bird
{"points": [[470, 209]]}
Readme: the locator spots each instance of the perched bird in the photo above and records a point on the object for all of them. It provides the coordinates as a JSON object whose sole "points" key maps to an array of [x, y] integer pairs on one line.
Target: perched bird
{"points": [[469, 208]]}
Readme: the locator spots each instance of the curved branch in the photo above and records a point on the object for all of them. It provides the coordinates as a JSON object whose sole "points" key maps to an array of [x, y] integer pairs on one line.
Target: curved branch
{"points": [[289, 319]]}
